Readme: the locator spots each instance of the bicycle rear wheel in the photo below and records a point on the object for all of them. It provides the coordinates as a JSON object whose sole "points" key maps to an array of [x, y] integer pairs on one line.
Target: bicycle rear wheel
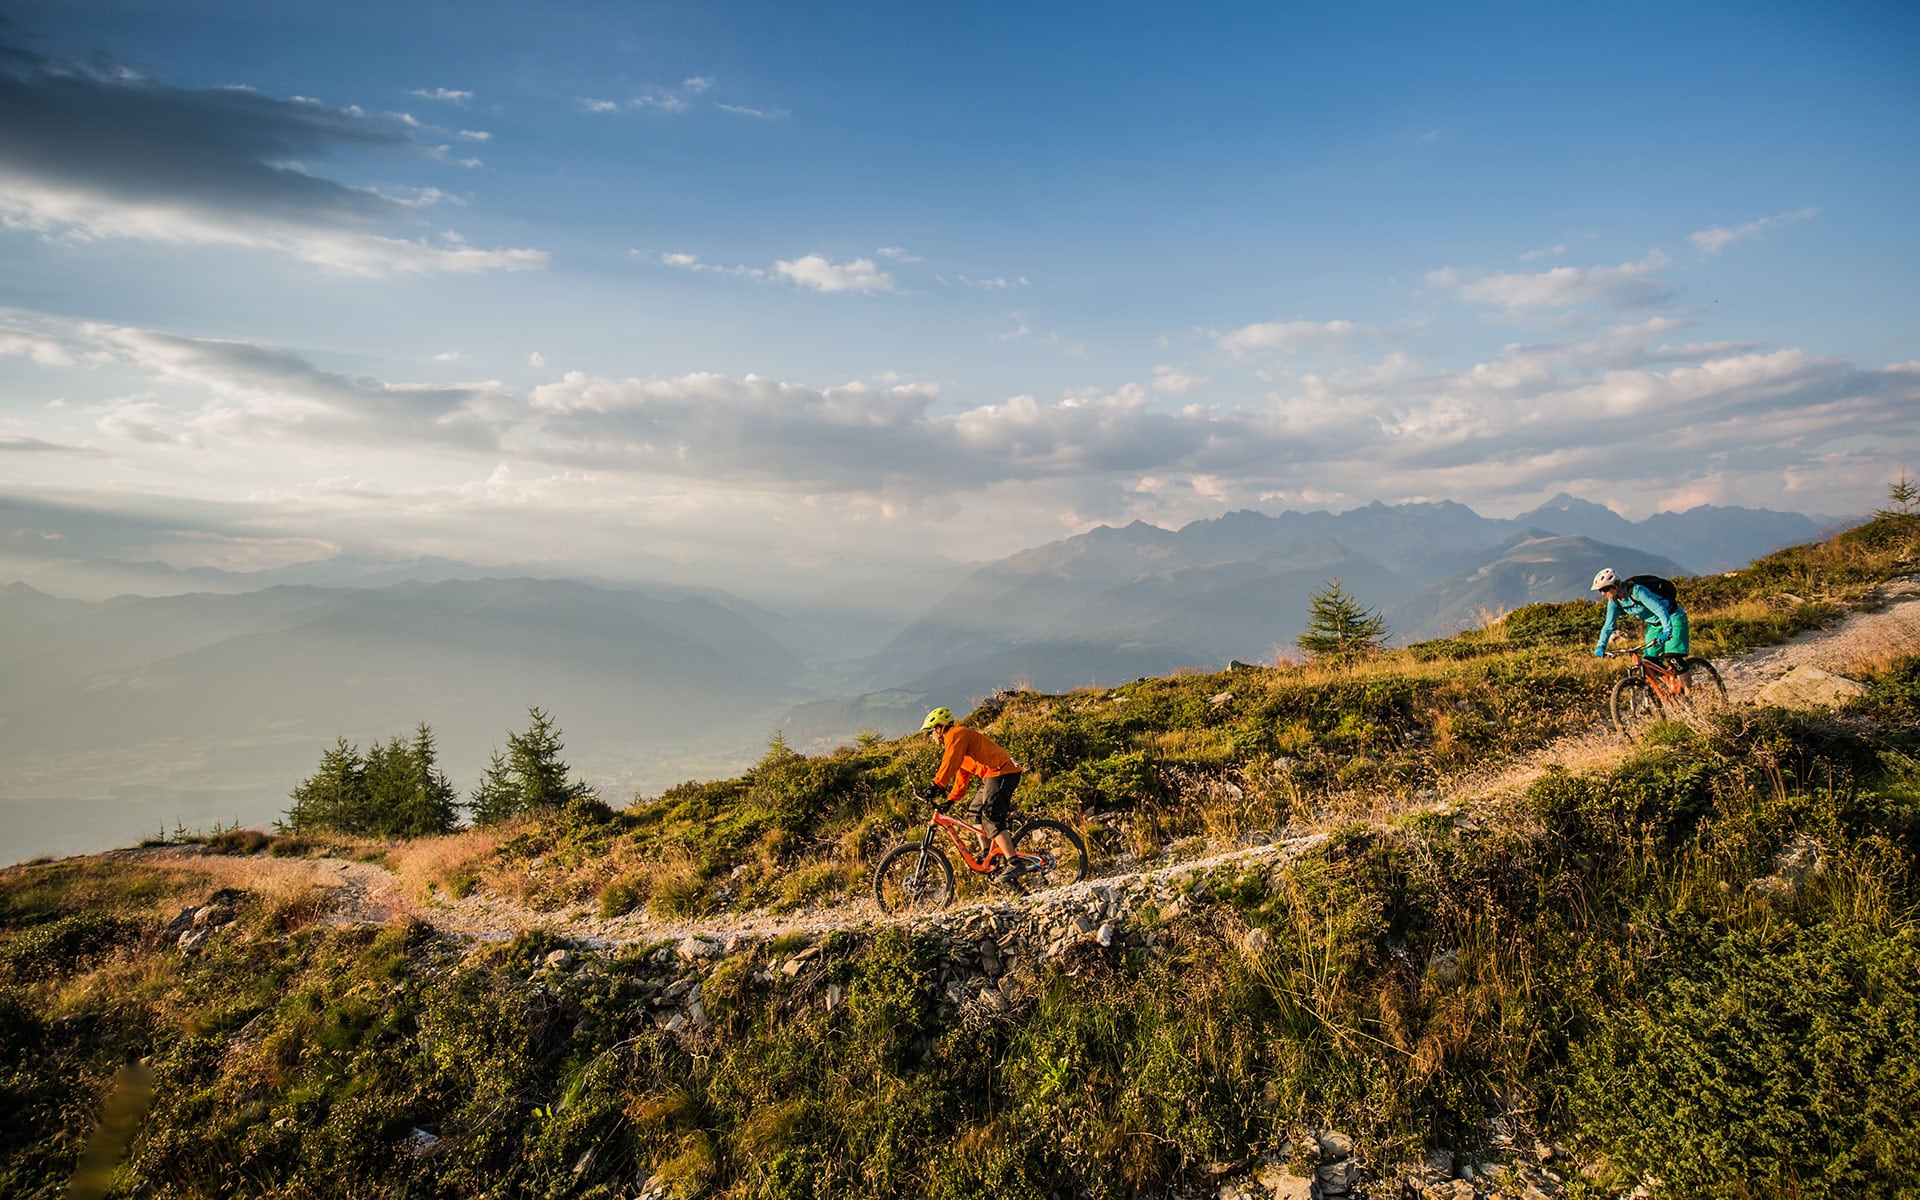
{"points": [[1705, 692], [1063, 854], [1635, 706], [911, 880]]}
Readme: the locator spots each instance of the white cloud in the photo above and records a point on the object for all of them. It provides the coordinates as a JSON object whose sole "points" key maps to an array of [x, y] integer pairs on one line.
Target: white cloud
{"points": [[1713, 241], [1553, 251], [1625, 286], [260, 392], [447, 357], [425, 197], [897, 253], [821, 274], [698, 84], [691, 262], [536, 359], [996, 284], [1289, 335], [764, 114], [475, 135], [599, 106], [35, 347], [449, 95], [661, 98], [1175, 381]]}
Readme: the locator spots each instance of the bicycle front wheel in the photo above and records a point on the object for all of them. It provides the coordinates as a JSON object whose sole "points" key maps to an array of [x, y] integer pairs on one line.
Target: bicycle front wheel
{"points": [[1063, 856], [913, 879], [1635, 706]]}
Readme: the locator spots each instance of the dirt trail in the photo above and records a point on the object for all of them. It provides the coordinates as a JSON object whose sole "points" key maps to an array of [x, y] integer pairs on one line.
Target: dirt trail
{"points": [[370, 894]]}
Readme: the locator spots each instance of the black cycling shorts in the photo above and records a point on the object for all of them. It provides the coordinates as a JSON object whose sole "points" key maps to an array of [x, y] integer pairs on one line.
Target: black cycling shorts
{"points": [[994, 801]]}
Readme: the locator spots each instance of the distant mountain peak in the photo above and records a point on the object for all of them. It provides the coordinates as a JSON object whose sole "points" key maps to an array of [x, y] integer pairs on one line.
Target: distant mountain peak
{"points": [[1566, 502]]}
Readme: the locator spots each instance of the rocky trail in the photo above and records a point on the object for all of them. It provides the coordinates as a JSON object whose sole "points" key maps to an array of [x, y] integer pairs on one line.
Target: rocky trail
{"points": [[368, 893]]}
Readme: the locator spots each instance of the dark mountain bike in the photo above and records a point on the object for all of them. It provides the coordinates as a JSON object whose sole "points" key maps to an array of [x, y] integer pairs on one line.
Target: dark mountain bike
{"points": [[1655, 690], [918, 876]]}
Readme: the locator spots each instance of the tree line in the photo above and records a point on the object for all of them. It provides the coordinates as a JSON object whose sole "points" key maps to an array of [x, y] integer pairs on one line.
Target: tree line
{"points": [[397, 790]]}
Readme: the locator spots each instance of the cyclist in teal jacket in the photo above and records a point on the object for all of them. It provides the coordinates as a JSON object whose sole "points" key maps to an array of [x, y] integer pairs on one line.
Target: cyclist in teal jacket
{"points": [[1665, 620]]}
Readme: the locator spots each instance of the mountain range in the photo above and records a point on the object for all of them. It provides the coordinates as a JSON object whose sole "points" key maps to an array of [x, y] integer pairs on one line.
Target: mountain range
{"points": [[122, 715], [1112, 604]]}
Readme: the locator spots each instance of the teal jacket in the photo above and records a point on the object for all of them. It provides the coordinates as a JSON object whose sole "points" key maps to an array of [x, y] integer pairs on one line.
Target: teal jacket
{"points": [[1665, 622]]}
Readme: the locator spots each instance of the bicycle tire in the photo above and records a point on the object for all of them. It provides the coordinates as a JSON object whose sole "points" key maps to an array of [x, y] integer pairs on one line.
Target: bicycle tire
{"points": [[906, 883], [1634, 706], [1705, 691], [1063, 848]]}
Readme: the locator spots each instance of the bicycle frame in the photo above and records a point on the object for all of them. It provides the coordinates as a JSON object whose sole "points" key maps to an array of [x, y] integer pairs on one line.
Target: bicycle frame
{"points": [[952, 825], [1665, 681]]}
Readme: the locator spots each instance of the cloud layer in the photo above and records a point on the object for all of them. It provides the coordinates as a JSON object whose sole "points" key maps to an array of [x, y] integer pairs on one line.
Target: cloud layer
{"points": [[101, 154], [1630, 412]]}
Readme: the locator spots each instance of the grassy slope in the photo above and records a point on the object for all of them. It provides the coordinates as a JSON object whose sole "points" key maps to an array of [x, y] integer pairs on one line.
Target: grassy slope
{"points": [[1702, 964]]}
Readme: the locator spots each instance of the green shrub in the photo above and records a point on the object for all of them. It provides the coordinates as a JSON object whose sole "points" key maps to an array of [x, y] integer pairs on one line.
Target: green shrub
{"points": [[1571, 624], [1765, 1061]]}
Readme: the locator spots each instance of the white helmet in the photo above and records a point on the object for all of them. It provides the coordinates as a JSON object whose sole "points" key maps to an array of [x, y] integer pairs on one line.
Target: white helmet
{"points": [[1605, 579]]}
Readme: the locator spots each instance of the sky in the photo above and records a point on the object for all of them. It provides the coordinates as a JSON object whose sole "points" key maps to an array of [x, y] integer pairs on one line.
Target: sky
{"points": [[857, 285]]}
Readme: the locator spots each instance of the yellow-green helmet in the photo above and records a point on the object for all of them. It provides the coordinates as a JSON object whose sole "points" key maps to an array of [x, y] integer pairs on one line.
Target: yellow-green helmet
{"points": [[939, 716]]}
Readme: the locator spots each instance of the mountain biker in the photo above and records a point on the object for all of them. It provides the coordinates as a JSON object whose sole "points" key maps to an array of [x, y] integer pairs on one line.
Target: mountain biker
{"points": [[970, 754], [1665, 620]]}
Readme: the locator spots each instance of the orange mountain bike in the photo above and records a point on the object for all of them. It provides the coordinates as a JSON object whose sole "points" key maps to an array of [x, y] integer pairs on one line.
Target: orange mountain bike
{"points": [[918, 877], [1653, 686]]}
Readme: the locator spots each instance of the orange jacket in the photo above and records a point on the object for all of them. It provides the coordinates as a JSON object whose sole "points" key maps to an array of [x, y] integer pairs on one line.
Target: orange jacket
{"points": [[971, 753]]}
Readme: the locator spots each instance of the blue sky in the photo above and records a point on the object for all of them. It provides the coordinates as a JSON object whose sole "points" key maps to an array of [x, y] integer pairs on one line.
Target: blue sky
{"points": [[864, 282]]}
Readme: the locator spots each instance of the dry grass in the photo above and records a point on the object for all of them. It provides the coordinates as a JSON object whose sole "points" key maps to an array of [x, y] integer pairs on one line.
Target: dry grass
{"points": [[435, 866]]}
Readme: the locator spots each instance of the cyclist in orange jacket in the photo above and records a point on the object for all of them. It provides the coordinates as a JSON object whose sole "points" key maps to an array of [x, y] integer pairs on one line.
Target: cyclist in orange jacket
{"points": [[970, 754]]}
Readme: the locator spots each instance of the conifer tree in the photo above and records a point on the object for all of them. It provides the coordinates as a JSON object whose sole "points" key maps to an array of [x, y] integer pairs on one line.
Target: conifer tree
{"points": [[496, 798], [1904, 494], [1337, 624], [436, 806], [396, 790], [530, 776], [333, 797]]}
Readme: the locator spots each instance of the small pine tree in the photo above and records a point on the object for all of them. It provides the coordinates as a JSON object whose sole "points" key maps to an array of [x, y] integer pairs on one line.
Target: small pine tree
{"points": [[397, 790], [435, 806], [530, 776], [333, 797], [496, 798], [1904, 494], [1337, 624]]}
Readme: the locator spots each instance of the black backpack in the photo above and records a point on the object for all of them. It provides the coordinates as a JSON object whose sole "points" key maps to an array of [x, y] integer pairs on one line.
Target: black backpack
{"points": [[1658, 585]]}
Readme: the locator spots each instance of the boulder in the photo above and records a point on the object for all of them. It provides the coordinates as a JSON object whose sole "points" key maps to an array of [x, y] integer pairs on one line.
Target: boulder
{"points": [[1334, 1147], [180, 924], [1283, 1184], [1809, 688], [695, 949]]}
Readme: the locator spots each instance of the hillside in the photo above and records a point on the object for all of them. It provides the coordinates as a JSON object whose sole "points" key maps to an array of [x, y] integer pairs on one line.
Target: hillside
{"points": [[1399, 926]]}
